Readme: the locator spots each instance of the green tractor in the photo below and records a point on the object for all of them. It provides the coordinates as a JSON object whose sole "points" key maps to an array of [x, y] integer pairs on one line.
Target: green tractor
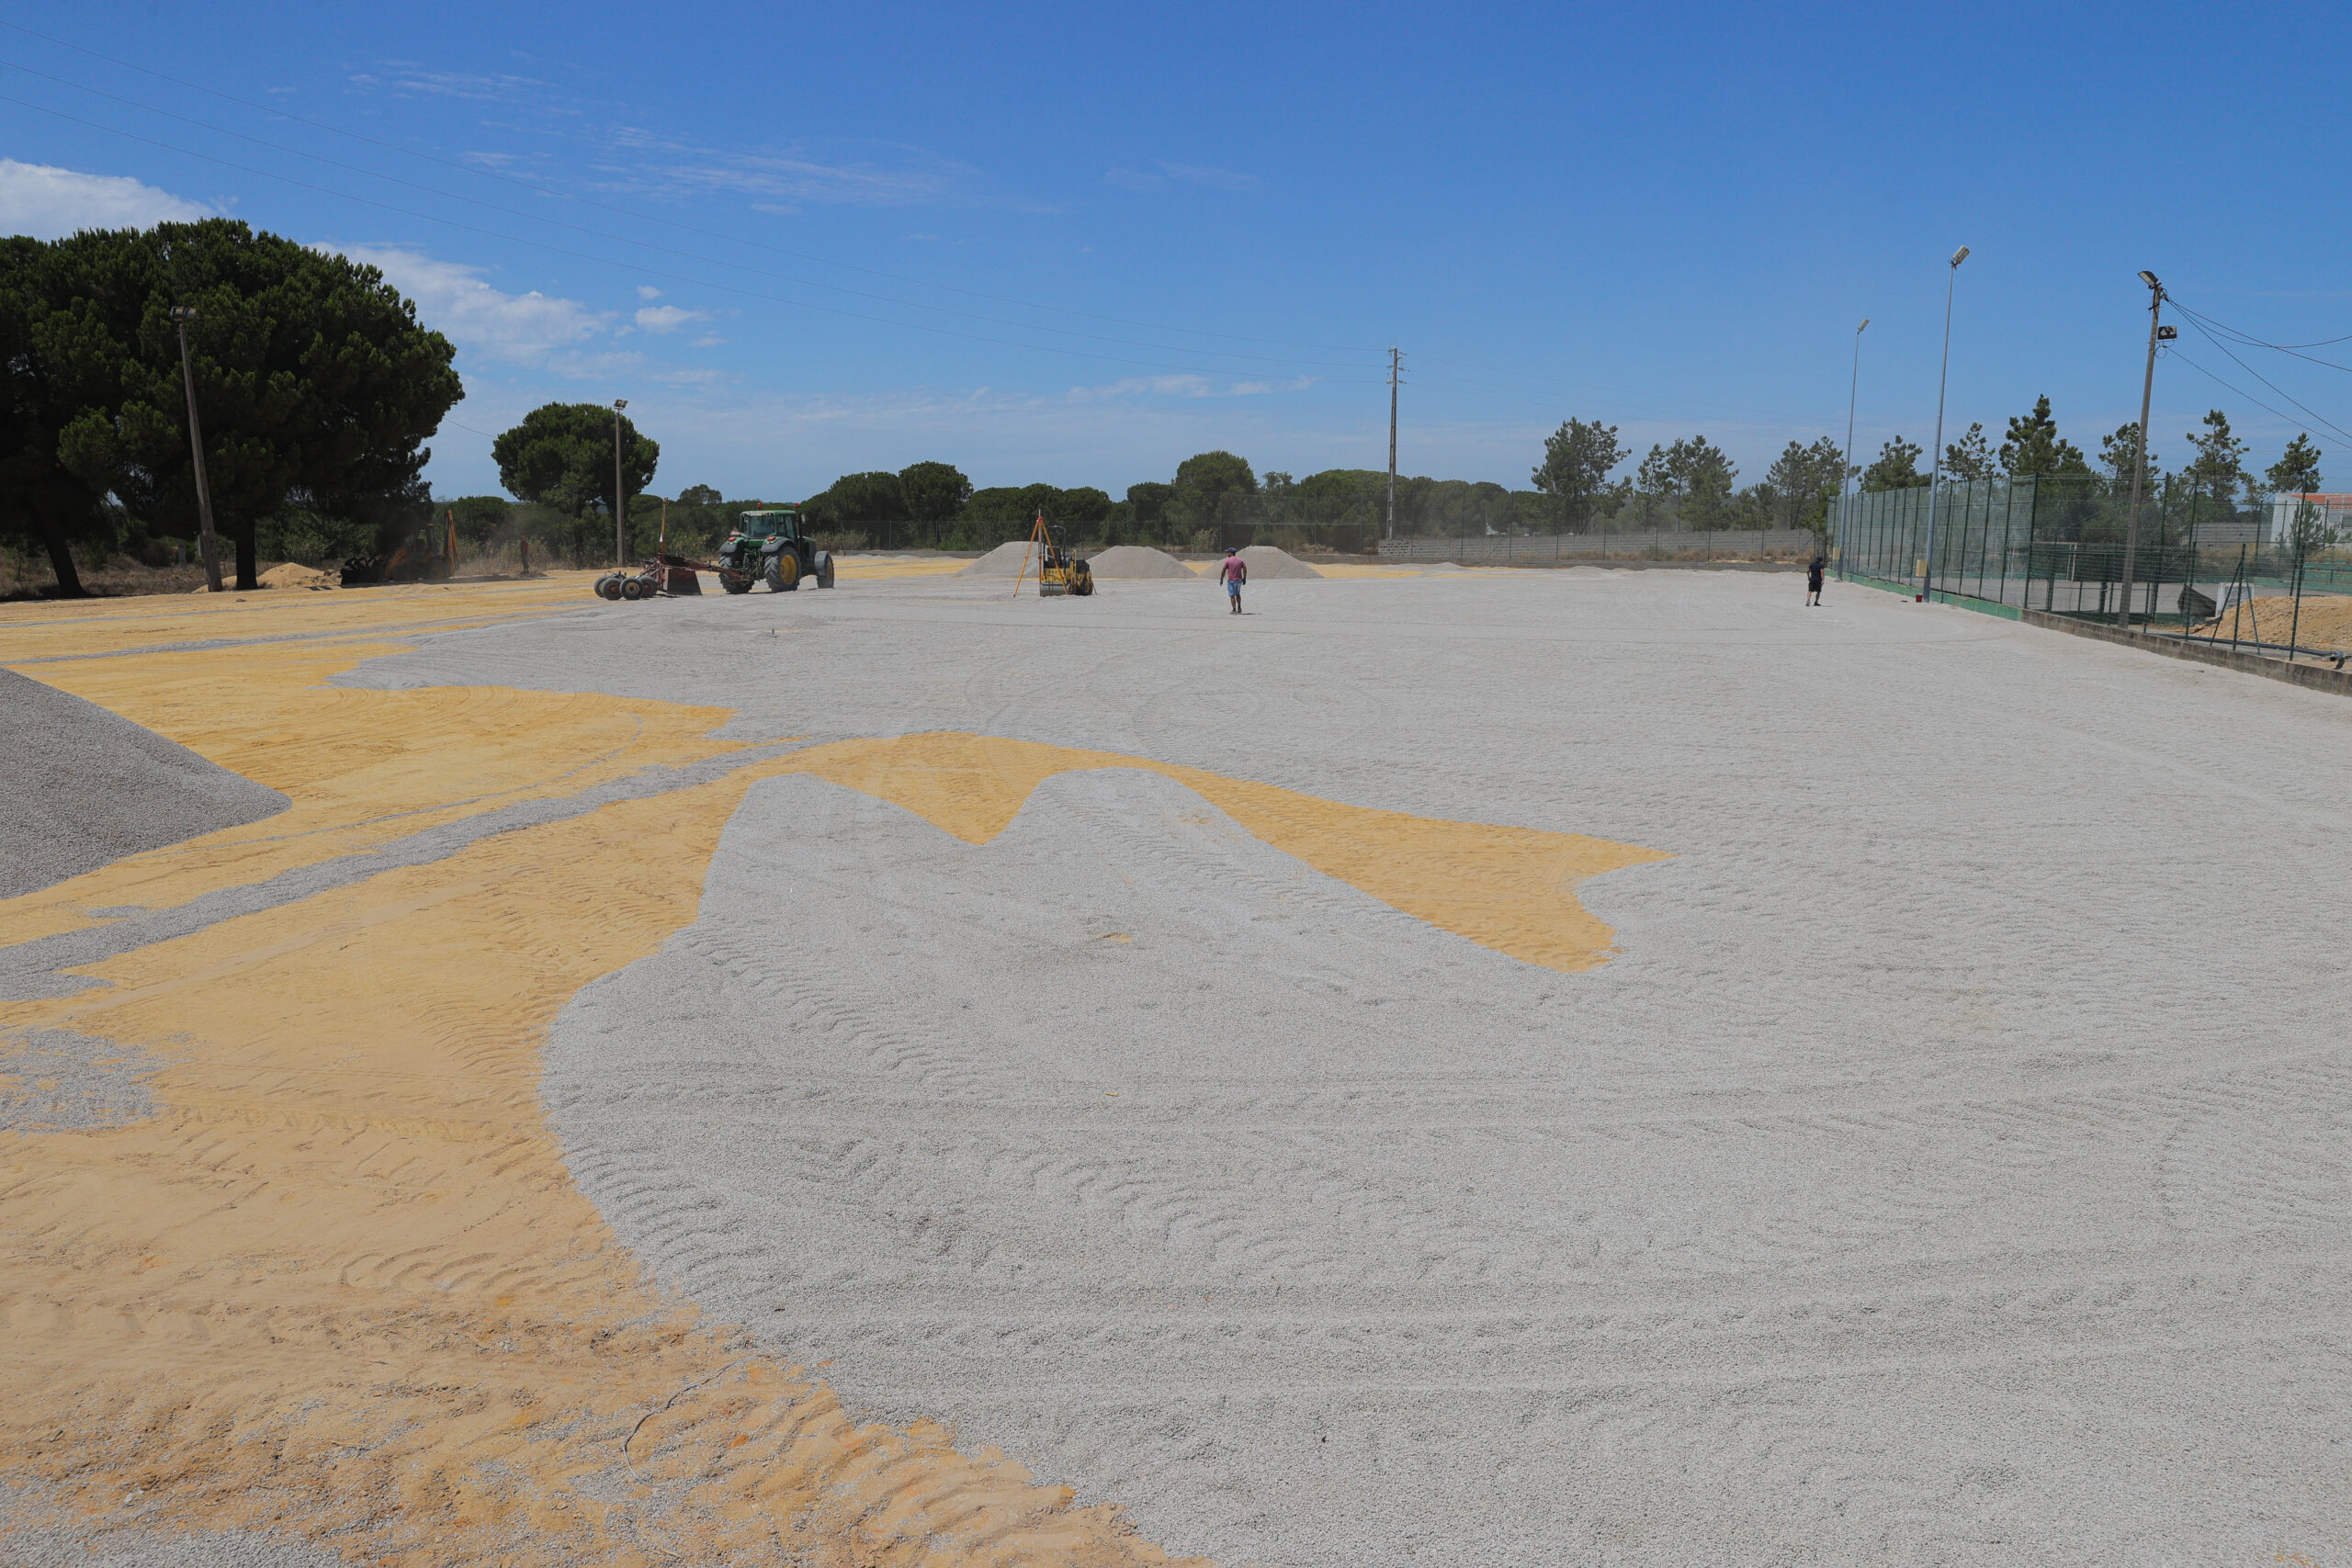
{"points": [[768, 546]]}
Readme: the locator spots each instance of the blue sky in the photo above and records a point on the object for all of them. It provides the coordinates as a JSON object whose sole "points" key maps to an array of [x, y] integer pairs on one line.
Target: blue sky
{"points": [[1078, 245]]}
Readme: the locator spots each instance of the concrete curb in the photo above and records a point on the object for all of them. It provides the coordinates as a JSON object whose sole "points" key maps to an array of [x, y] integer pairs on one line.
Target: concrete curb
{"points": [[2311, 675], [2339, 681]]}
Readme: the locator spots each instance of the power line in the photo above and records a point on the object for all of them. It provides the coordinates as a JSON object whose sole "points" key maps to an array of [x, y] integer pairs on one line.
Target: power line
{"points": [[637, 268], [2250, 341], [2258, 375], [536, 189], [2176, 354]]}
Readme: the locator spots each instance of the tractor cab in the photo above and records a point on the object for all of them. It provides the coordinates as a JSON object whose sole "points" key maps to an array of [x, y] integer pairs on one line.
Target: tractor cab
{"points": [[776, 523], [768, 546]]}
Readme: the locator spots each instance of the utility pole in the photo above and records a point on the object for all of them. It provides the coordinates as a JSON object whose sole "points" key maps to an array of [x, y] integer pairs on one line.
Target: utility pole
{"points": [[209, 544], [1936, 460], [1394, 359], [1846, 475], [2140, 453], [620, 502]]}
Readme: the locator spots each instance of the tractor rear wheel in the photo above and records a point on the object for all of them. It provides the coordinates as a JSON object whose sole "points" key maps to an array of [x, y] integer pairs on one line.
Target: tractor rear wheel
{"points": [[734, 584], [825, 573], [784, 575]]}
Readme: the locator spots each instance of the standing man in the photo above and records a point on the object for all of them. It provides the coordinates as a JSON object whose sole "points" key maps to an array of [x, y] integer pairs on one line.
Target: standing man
{"points": [[1813, 582], [1233, 574]]}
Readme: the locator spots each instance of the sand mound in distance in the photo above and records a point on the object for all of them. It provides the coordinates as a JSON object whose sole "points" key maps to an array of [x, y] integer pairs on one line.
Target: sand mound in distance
{"points": [[2326, 621], [293, 574], [1271, 561], [85, 786], [1002, 561], [1136, 561]]}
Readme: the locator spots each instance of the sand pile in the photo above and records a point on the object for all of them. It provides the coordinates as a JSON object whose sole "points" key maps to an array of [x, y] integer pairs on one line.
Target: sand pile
{"points": [[85, 787], [1003, 561], [1270, 560], [2325, 622], [293, 574], [1136, 561]]}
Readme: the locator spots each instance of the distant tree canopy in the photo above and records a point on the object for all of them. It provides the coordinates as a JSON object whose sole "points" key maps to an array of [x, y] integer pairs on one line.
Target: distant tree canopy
{"points": [[1897, 466], [1213, 489], [315, 386], [1577, 461], [561, 456], [2034, 447], [934, 492], [1970, 458], [1803, 479]]}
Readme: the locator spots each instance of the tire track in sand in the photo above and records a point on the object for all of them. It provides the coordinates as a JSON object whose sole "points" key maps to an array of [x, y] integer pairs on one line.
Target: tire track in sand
{"points": [[340, 1285]]}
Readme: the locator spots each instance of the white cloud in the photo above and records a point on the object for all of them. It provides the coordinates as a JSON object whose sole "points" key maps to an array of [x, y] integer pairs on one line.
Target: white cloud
{"points": [[452, 299], [710, 340], [403, 78], [647, 291], [50, 203], [1185, 386], [665, 318]]}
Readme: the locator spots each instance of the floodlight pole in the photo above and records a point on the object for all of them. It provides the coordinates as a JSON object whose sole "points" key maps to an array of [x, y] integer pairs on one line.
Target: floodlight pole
{"points": [[1935, 455], [209, 544], [2140, 453], [1393, 364], [620, 502], [1846, 475]]}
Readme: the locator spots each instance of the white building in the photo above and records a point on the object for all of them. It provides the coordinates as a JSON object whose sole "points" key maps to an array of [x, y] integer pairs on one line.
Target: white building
{"points": [[2333, 513]]}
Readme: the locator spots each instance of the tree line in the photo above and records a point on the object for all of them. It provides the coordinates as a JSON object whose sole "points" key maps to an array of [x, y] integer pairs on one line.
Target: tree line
{"points": [[318, 389]]}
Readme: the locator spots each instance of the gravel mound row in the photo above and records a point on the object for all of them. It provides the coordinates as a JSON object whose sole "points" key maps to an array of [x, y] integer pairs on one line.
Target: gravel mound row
{"points": [[1273, 560], [1136, 561], [1002, 561], [85, 786]]}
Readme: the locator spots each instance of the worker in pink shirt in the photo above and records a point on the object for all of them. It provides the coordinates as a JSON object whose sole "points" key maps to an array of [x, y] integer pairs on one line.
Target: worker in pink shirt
{"points": [[1233, 574]]}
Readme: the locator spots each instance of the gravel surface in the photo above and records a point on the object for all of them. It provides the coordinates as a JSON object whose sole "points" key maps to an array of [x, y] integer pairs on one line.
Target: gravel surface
{"points": [[53, 1080], [1950, 1169], [34, 1534], [85, 787]]}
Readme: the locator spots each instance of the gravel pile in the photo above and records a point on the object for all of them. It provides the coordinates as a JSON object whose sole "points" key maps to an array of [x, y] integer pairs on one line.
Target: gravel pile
{"points": [[85, 786], [1136, 561], [1270, 560], [1002, 561]]}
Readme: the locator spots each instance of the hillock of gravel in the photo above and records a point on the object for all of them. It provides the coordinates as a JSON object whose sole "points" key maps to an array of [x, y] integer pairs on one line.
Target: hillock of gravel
{"points": [[85, 786]]}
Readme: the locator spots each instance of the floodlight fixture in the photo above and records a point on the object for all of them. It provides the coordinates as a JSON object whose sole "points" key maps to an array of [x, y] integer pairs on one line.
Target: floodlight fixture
{"points": [[1960, 255], [2150, 280], [182, 312]]}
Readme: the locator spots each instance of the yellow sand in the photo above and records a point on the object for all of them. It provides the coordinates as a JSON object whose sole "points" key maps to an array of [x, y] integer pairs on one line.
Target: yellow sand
{"points": [[2326, 621], [859, 571], [340, 1285], [1506, 888]]}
